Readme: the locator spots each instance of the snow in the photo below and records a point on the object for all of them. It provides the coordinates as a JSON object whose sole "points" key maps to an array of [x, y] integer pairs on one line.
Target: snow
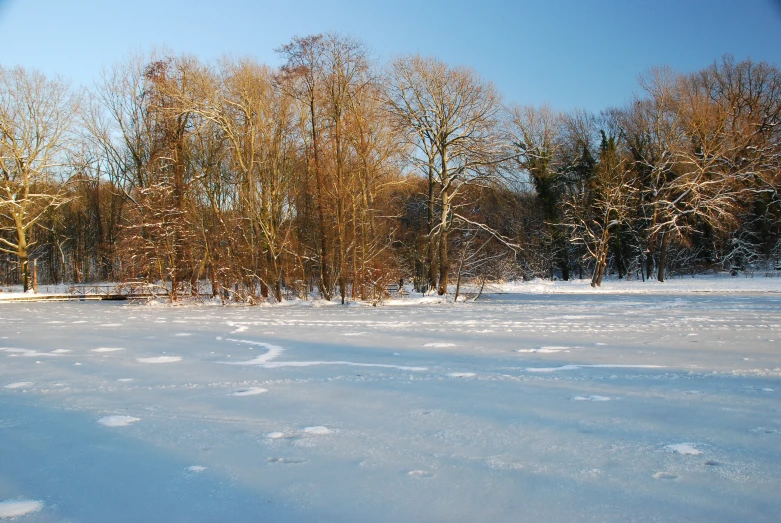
{"points": [[117, 421], [252, 391], [558, 406], [318, 430], [684, 449], [16, 508], [160, 359], [19, 385], [593, 397], [461, 374]]}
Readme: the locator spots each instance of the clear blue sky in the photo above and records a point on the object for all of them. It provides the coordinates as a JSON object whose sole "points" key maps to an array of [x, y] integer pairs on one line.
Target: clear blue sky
{"points": [[567, 53]]}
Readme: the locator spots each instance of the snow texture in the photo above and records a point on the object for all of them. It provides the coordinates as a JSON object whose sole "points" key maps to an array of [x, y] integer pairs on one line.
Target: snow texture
{"points": [[611, 402]]}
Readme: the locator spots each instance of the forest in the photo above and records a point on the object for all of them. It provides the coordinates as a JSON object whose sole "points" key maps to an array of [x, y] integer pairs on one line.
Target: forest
{"points": [[337, 175]]}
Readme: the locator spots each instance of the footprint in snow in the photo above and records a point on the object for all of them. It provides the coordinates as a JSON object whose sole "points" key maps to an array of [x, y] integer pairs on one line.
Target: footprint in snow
{"points": [[286, 461], [592, 398], [252, 391], [12, 508], [279, 435], [684, 449], [19, 385], [318, 430], [548, 349], [160, 359], [665, 475], [117, 421]]}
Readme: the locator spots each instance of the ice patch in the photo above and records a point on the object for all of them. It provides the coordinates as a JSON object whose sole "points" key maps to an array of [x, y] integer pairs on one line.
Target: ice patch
{"points": [[684, 449], [439, 345], [252, 391], [19, 385], [196, 468], [159, 359], [573, 367], [19, 507], [110, 325], [318, 430], [420, 474], [107, 349], [183, 334], [353, 333], [767, 389], [125, 379], [461, 375], [592, 398], [60, 351], [277, 435], [117, 421]]}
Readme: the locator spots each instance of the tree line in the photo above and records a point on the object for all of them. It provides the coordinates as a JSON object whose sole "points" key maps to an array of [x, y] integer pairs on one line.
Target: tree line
{"points": [[338, 175]]}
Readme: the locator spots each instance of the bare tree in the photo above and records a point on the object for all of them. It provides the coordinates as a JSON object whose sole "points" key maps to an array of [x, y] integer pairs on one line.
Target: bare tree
{"points": [[35, 116], [452, 116]]}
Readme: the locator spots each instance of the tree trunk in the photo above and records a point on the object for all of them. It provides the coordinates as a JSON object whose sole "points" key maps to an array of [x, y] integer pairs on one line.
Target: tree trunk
{"points": [[431, 266], [24, 266], [662, 256], [561, 250], [444, 267]]}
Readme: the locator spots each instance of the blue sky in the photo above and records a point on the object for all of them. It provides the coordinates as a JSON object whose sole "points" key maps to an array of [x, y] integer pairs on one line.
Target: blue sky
{"points": [[566, 53]]}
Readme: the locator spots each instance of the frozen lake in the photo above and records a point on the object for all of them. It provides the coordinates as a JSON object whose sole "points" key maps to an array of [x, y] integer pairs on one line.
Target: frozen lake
{"points": [[602, 407]]}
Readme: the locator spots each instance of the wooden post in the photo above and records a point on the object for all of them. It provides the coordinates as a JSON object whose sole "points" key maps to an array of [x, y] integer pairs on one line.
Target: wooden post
{"points": [[35, 275]]}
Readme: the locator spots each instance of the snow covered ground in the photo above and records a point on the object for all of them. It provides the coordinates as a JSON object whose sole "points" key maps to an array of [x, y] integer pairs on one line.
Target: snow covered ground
{"points": [[592, 406]]}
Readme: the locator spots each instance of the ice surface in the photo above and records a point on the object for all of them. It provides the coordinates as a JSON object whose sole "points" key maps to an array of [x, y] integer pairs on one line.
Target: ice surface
{"points": [[612, 412]]}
